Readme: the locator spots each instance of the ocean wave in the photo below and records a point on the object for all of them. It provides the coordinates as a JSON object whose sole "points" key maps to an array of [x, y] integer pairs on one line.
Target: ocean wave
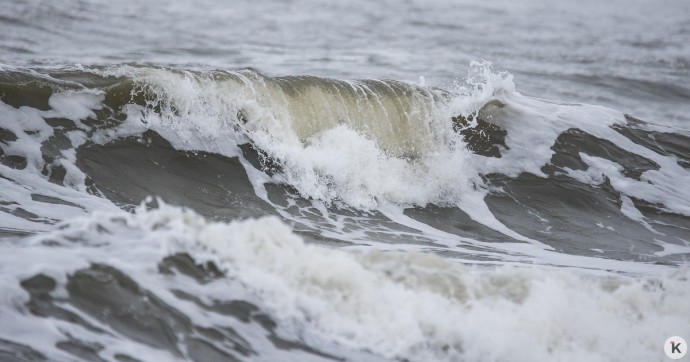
{"points": [[166, 283], [321, 152]]}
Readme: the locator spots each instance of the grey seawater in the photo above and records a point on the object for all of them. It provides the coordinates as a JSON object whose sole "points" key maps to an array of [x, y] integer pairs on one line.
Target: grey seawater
{"points": [[629, 55], [108, 303]]}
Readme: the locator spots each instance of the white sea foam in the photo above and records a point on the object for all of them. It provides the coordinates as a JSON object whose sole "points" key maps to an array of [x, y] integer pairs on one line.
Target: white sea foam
{"points": [[398, 305], [351, 149], [29, 189], [416, 305], [345, 152], [347, 149]]}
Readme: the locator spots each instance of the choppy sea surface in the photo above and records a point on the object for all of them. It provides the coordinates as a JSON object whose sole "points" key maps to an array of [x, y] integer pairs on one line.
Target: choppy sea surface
{"points": [[354, 181]]}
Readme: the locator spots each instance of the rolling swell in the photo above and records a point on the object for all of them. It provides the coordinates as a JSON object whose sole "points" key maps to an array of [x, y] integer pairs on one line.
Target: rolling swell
{"points": [[255, 110]]}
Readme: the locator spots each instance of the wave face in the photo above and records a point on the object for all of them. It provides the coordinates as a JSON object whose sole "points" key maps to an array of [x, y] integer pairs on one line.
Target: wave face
{"points": [[528, 222]]}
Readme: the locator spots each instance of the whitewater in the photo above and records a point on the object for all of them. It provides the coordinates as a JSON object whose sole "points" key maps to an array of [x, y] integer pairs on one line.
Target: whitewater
{"points": [[376, 190]]}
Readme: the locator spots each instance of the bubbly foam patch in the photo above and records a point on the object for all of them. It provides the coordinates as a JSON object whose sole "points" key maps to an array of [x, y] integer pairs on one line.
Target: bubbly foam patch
{"points": [[398, 305], [28, 189], [423, 307], [533, 125]]}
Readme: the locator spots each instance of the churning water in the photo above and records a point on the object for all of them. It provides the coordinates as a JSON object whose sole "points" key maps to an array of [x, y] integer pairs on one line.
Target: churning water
{"points": [[361, 181]]}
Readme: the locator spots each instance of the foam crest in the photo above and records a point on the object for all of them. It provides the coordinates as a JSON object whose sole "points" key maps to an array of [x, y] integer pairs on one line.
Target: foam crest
{"points": [[372, 144], [359, 144]]}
